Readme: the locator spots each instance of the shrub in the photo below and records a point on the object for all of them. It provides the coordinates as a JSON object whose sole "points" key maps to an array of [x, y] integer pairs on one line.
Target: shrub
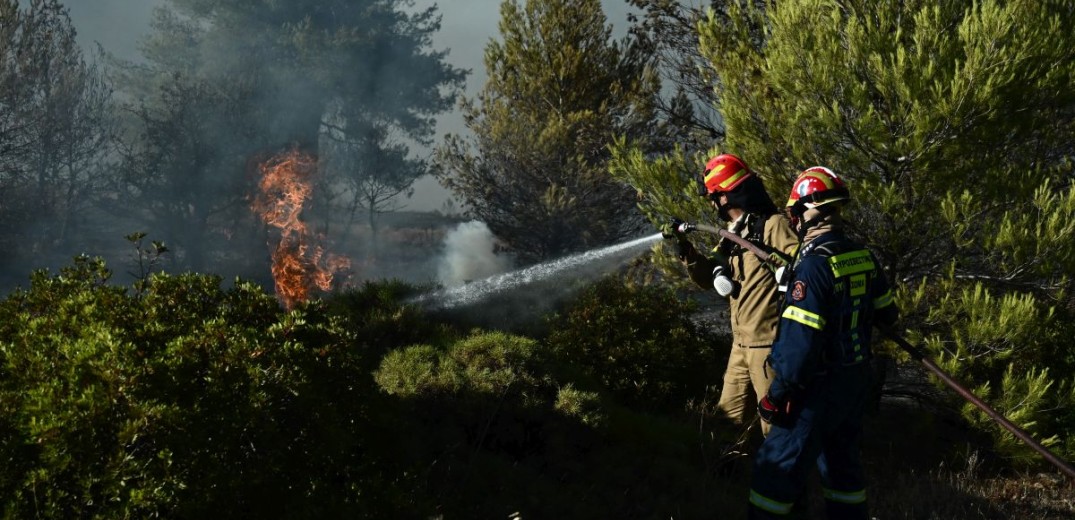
{"points": [[492, 432], [185, 399], [639, 343]]}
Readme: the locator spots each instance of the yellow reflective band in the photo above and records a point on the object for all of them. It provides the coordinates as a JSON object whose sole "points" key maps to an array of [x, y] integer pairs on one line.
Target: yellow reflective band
{"points": [[735, 177], [858, 285], [851, 263], [709, 174], [821, 177], [807, 318], [883, 301], [846, 497], [770, 505]]}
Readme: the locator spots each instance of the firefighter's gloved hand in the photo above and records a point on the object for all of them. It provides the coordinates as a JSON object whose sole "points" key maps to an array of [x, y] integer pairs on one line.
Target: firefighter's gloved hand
{"points": [[775, 411], [723, 283], [677, 229]]}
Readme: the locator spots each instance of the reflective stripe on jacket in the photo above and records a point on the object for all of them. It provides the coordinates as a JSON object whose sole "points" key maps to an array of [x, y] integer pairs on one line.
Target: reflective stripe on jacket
{"points": [[836, 293]]}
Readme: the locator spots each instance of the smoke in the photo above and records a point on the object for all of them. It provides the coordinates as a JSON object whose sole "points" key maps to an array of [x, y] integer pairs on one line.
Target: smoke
{"points": [[470, 254], [253, 102], [118, 26]]}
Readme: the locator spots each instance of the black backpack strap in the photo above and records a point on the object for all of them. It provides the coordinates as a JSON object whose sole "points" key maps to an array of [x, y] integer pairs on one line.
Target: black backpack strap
{"points": [[757, 228]]}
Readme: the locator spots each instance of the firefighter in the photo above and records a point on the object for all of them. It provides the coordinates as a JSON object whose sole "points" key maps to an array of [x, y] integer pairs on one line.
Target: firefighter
{"points": [[741, 200], [836, 293]]}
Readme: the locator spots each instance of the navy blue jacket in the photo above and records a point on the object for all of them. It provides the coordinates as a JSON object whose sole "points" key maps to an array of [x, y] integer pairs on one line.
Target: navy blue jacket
{"points": [[836, 294]]}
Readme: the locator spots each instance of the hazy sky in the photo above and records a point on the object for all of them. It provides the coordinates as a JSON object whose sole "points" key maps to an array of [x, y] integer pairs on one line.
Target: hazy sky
{"points": [[468, 25]]}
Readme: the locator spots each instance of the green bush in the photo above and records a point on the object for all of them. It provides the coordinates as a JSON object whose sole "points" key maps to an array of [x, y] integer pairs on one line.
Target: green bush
{"points": [[487, 363], [186, 399], [639, 343], [492, 432]]}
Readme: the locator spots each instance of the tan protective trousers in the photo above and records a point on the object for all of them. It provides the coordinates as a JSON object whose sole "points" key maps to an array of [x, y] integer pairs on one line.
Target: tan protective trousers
{"points": [[746, 380]]}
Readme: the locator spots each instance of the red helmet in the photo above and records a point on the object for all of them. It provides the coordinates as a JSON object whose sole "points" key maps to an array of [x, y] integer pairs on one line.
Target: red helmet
{"points": [[723, 173], [815, 187]]}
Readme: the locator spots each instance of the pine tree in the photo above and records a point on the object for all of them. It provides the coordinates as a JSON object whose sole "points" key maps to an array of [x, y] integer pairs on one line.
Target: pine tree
{"points": [[951, 123], [671, 28], [559, 91], [55, 128]]}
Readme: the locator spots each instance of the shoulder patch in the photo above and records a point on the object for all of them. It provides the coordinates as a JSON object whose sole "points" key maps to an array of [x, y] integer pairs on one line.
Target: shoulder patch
{"points": [[798, 291]]}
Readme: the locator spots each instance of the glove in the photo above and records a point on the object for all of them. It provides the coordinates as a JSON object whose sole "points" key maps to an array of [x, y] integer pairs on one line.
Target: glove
{"points": [[722, 282], [777, 412], [678, 229]]}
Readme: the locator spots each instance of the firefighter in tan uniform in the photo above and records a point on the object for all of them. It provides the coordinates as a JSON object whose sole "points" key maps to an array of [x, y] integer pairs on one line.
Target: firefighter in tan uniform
{"points": [[749, 285]]}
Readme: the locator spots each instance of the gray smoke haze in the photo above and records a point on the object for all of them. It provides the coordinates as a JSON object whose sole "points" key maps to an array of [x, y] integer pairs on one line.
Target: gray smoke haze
{"points": [[121, 27], [118, 26], [469, 254], [467, 26]]}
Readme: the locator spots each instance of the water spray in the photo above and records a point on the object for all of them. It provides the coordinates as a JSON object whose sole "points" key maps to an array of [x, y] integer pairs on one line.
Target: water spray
{"points": [[481, 289]]}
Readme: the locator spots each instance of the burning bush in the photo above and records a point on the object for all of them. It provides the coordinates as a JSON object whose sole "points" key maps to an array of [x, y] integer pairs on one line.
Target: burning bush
{"points": [[299, 261]]}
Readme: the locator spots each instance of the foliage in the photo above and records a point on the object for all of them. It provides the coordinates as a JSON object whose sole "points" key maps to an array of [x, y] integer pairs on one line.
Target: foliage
{"points": [[185, 399], [559, 91], [183, 167], [146, 259], [507, 435], [488, 363], [671, 28], [375, 171], [55, 128], [639, 343], [950, 122], [665, 189]]}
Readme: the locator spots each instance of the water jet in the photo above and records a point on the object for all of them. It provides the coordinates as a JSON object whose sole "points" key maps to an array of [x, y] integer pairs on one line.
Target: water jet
{"points": [[591, 262]]}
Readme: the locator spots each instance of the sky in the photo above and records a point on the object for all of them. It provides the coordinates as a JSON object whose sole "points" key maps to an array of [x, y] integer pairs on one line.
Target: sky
{"points": [[467, 26]]}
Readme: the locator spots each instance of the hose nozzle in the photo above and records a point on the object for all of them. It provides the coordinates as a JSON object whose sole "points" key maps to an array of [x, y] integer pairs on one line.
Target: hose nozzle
{"points": [[686, 227]]}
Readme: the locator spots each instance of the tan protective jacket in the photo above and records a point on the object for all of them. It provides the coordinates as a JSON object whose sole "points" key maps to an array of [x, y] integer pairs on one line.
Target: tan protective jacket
{"points": [[754, 309]]}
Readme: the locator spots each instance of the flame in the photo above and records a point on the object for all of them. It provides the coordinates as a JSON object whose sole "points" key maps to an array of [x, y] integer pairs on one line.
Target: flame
{"points": [[299, 263]]}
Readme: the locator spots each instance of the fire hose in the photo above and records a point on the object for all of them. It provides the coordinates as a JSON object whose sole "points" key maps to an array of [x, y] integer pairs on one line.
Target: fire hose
{"points": [[777, 259]]}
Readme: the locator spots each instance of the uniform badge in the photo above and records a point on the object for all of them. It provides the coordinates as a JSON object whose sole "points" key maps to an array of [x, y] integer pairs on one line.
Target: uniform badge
{"points": [[798, 292]]}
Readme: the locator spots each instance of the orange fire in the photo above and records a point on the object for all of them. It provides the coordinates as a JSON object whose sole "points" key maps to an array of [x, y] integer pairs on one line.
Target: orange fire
{"points": [[299, 262]]}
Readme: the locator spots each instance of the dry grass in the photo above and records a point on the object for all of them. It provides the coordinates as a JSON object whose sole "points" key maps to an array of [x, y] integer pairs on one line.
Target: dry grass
{"points": [[947, 494], [916, 471]]}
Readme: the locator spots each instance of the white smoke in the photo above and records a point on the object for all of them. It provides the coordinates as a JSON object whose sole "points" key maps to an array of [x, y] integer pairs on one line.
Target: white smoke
{"points": [[469, 255]]}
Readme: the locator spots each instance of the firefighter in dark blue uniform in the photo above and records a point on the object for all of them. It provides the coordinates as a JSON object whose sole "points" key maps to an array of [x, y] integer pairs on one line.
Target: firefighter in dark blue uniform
{"points": [[836, 292]]}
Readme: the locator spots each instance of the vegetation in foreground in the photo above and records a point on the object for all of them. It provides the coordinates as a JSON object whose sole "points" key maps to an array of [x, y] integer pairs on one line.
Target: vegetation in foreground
{"points": [[185, 397]]}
